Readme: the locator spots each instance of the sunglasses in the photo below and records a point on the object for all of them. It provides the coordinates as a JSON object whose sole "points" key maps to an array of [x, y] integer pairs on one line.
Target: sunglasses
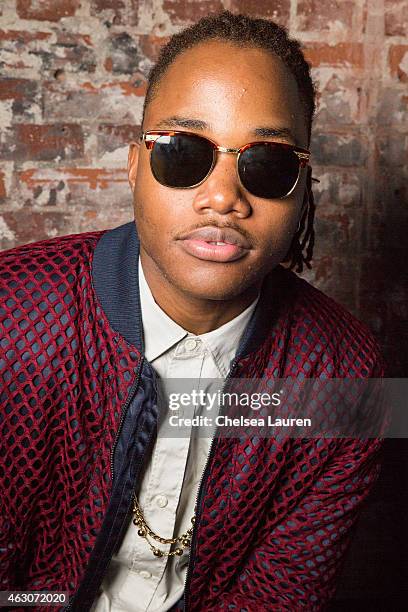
{"points": [[183, 160]]}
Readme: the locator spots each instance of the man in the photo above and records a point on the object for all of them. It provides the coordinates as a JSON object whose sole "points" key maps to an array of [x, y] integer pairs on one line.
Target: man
{"points": [[94, 502]]}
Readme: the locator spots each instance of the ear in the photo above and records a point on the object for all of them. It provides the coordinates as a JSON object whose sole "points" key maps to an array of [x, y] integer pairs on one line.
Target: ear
{"points": [[133, 159]]}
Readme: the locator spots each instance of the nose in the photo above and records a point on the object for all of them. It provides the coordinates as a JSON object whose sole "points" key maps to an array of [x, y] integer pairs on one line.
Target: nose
{"points": [[222, 192]]}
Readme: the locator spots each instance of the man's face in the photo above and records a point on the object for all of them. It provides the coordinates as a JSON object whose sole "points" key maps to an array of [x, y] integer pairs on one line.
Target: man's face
{"points": [[234, 91]]}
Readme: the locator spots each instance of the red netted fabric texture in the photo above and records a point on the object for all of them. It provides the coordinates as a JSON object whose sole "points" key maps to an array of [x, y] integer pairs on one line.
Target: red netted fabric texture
{"points": [[276, 515], [64, 376]]}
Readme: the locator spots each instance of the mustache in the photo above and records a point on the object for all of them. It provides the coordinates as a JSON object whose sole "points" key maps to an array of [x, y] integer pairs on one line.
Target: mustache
{"points": [[219, 226]]}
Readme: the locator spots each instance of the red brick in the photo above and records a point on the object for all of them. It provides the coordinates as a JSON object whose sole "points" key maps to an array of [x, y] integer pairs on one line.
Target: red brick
{"points": [[337, 229], [150, 45], [101, 210], [181, 11], [3, 193], [18, 89], [276, 11], [325, 16], [108, 64], [20, 50], [392, 147], [48, 192], [112, 137], [113, 11], [392, 108], [398, 62], [72, 52], [124, 54], [342, 54], [61, 103], [95, 197], [93, 178], [101, 5], [29, 225], [73, 39], [25, 95], [42, 142], [339, 98], [322, 267], [20, 37], [23, 50], [133, 15], [43, 187], [64, 187], [339, 149], [396, 17], [46, 10], [116, 101], [336, 185], [27, 52]]}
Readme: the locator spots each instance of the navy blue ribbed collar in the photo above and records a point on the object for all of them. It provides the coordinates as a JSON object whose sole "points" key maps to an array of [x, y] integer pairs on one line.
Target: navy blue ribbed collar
{"points": [[116, 282]]}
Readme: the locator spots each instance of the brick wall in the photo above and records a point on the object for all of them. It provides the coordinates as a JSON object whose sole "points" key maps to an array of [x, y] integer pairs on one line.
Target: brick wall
{"points": [[73, 77]]}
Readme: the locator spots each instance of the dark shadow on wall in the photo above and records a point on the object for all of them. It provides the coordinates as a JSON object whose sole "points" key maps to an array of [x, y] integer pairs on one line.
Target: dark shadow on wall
{"points": [[375, 573], [383, 291]]}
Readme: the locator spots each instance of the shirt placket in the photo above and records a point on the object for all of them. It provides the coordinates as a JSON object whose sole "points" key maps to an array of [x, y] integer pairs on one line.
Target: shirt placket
{"points": [[159, 503]]}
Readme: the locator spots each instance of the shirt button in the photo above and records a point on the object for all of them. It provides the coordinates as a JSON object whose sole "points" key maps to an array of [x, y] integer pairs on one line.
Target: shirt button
{"points": [[162, 501], [190, 344], [145, 574]]}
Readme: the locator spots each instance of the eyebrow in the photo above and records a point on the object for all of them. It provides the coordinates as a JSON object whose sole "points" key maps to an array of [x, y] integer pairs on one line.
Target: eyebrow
{"points": [[176, 121]]}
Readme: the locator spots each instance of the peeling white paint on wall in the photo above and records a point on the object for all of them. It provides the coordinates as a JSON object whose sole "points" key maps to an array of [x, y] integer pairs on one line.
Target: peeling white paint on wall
{"points": [[6, 113], [5, 232], [115, 159]]}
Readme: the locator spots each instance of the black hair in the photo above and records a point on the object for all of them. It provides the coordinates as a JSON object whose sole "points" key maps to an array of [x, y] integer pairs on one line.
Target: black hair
{"points": [[244, 31]]}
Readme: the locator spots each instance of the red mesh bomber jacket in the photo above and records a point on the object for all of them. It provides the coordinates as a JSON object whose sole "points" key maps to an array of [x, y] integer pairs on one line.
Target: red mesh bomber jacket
{"points": [[78, 419]]}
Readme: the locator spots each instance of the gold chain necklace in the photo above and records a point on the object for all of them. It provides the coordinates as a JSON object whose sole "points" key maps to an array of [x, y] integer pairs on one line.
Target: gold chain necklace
{"points": [[144, 531]]}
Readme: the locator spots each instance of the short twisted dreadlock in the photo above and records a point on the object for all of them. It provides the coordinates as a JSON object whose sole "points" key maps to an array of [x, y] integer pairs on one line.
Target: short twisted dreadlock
{"points": [[243, 31]]}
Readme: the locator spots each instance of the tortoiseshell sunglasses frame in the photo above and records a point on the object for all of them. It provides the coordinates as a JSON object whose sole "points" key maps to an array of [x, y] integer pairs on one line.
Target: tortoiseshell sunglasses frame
{"points": [[149, 138]]}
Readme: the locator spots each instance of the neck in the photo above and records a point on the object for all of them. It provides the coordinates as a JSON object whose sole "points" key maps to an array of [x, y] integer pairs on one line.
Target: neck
{"points": [[194, 314]]}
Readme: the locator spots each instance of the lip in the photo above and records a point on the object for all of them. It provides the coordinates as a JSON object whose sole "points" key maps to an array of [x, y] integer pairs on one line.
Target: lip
{"points": [[217, 234], [198, 243]]}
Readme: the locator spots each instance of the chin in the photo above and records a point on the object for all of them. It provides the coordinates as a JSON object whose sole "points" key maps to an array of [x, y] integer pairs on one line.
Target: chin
{"points": [[207, 286]]}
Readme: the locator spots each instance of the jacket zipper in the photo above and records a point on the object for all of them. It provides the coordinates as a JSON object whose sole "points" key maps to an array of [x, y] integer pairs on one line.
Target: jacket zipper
{"points": [[200, 494], [122, 418], [124, 412]]}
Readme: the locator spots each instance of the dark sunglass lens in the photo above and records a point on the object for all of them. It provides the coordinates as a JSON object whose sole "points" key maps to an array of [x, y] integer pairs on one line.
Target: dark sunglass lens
{"points": [[181, 160], [268, 170]]}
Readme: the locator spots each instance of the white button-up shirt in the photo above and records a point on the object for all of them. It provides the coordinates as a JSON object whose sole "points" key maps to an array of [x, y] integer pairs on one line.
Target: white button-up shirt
{"points": [[136, 580]]}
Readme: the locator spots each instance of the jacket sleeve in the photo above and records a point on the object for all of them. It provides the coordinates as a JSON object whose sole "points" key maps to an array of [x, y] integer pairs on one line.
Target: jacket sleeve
{"points": [[9, 551], [294, 566]]}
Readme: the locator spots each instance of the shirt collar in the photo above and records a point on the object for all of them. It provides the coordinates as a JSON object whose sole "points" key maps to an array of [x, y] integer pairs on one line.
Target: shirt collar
{"points": [[223, 341], [161, 332]]}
